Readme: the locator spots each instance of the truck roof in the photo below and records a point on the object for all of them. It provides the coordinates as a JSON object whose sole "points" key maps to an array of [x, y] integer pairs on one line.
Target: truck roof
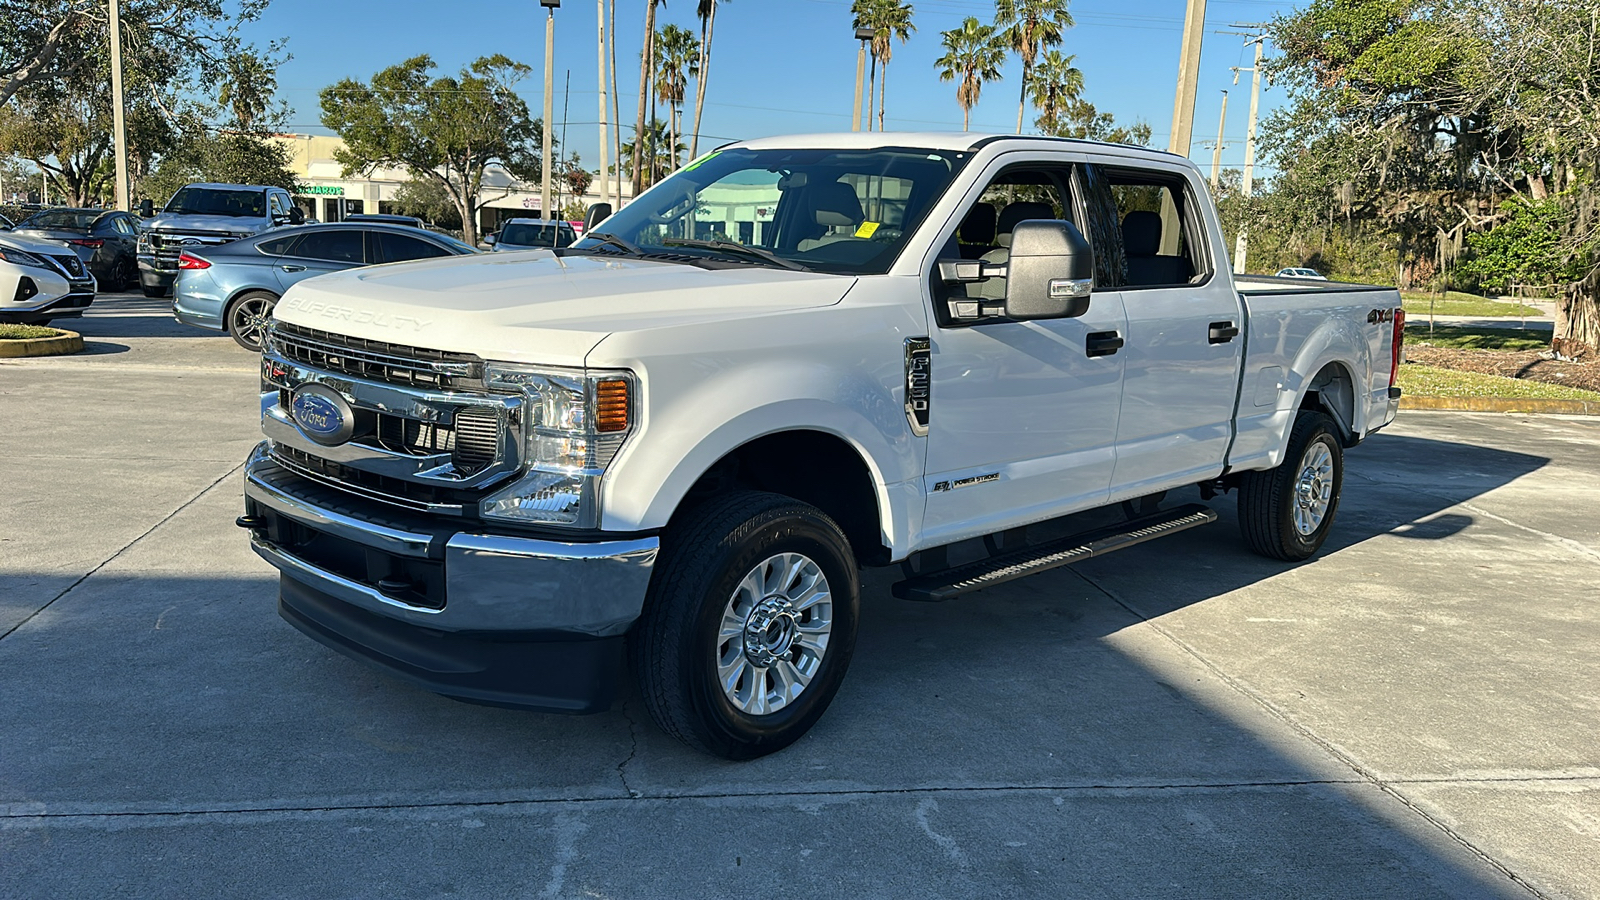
{"points": [[933, 140]]}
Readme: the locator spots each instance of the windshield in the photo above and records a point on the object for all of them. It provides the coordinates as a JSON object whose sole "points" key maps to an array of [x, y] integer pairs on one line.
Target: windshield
{"points": [[840, 211], [77, 220], [537, 235], [218, 202]]}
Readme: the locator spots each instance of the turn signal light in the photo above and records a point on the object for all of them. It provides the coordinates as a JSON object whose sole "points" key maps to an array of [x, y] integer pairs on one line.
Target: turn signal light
{"points": [[611, 406], [186, 261]]}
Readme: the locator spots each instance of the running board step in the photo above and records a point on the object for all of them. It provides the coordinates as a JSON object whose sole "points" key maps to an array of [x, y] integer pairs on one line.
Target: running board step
{"points": [[984, 573]]}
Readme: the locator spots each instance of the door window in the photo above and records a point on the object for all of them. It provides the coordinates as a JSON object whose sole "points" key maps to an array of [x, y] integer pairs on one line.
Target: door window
{"points": [[400, 247], [1143, 228], [125, 226], [277, 246], [1015, 195], [339, 245]]}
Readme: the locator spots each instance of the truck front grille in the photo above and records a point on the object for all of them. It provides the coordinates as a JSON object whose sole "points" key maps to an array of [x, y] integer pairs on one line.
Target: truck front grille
{"points": [[407, 494], [397, 364], [473, 440]]}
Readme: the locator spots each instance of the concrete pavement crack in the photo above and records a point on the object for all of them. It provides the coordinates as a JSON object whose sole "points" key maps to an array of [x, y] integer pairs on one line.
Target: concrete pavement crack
{"points": [[125, 547], [1366, 775], [633, 750]]}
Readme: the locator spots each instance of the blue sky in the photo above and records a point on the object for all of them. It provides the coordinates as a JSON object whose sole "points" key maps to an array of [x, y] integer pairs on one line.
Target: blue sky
{"points": [[778, 66]]}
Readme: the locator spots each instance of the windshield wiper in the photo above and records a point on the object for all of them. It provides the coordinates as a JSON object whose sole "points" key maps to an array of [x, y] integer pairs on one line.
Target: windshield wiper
{"points": [[620, 243], [731, 247]]}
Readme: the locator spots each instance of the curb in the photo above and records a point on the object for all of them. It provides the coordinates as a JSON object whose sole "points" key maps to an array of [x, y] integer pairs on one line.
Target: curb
{"points": [[1503, 405], [60, 345]]}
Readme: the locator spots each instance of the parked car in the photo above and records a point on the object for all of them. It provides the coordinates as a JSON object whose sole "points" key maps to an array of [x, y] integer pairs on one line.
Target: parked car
{"points": [[683, 439], [205, 215], [530, 234], [41, 280], [106, 240], [5, 223], [386, 219], [1301, 272], [233, 287]]}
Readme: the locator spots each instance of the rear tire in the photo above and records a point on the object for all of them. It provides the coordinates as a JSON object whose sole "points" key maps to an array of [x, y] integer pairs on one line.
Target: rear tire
{"points": [[1286, 513], [748, 625], [247, 318]]}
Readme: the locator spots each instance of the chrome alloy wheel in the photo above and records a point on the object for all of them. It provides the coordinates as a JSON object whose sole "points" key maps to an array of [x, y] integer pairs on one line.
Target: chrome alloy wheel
{"points": [[774, 634], [250, 319], [1313, 490]]}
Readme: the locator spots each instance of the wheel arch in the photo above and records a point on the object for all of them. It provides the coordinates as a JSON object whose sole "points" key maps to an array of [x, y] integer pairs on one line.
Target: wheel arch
{"points": [[239, 294], [1332, 390]]}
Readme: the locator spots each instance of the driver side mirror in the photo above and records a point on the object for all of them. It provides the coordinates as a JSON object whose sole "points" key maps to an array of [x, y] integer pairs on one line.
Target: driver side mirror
{"points": [[597, 213], [491, 239], [1051, 271], [147, 208], [296, 216]]}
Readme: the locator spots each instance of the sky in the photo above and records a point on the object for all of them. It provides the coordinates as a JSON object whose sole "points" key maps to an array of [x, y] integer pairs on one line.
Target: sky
{"points": [[778, 66]]}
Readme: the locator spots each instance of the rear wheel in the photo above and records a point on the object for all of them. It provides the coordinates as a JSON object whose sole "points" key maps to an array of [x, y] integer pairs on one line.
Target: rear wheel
{"points": [[748, 626], [123, 274], [248, 317], [1286, 513]]}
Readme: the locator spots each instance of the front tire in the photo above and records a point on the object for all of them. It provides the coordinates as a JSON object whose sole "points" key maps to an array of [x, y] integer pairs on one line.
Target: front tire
{"points": [[748, 626], [248, 317], [1286, 513]]}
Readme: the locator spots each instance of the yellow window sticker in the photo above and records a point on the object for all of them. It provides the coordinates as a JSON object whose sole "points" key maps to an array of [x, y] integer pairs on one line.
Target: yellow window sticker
{"points": [[867, 229]]}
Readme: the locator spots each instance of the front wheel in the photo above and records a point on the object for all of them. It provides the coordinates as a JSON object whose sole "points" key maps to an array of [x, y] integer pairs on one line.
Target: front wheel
{"points": [[748, 626], [248, 318], [1286, 513]]}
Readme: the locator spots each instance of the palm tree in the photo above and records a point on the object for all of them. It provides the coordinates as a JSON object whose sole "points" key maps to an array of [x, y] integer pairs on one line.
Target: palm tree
{"points": [[1057, 83], [646, 67], [1031, 26], [677, 60], [973, 53], [889, 19], [708, 22], [655, 136]]}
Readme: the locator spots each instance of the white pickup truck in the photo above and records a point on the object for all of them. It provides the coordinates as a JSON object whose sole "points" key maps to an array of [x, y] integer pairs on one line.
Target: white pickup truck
{"points": [[675, 443]]}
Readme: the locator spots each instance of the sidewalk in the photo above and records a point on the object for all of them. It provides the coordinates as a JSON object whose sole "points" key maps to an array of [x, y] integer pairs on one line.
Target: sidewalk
{"points": [[1531, 323]]}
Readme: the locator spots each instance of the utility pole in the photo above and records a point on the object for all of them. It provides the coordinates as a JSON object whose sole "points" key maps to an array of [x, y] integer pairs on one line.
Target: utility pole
{"points": [[119, 125], [863, 35], [605, 134], [1194, 26], [550, 7], [1241, 244], [1216, 153]]}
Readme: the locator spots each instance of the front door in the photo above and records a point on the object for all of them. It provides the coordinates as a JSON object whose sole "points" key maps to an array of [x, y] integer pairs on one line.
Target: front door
{"points": [[321, 250], [1023, 419]]}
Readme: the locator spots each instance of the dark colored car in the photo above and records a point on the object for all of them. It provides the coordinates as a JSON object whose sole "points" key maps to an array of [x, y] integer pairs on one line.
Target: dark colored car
{"points": [[232, 287], [385, 219], [106, 240]]}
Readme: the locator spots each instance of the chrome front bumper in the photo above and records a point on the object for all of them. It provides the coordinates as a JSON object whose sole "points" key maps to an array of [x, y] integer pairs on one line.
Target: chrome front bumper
{"points": [[492, 582]]}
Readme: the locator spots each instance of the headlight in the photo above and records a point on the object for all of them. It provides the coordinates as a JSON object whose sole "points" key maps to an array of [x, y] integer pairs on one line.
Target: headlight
{"points": [[574, 422], [23, 258]]}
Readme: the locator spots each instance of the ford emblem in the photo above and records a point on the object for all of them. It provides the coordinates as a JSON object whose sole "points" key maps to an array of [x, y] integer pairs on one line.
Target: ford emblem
{"points": [[322, 415]]}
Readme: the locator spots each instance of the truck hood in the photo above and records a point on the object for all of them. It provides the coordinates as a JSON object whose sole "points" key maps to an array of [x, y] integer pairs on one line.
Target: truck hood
{"points": [[536, 307], [179, 223]]}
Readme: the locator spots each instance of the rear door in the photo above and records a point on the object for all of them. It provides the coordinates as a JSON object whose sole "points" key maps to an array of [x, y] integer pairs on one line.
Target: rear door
{"points": [[319, 252], [391, 246], [1183, 348]]}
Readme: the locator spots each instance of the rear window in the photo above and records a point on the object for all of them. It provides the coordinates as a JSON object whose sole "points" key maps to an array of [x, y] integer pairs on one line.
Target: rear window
{"points": [[61, 218], [277, 246], [538, 235]]}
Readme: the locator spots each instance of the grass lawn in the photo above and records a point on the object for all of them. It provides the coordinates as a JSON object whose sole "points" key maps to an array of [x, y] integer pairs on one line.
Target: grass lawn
{"points": [[1427, 381], [23, 332], [1455, 303], [1459, 337]]}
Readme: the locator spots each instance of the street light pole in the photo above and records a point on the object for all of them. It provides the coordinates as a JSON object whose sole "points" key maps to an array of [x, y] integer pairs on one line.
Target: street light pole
{"points": [[1194, 26], [863, 35], [1216, 154], [605, 133], [119, 127], [550, 7]]}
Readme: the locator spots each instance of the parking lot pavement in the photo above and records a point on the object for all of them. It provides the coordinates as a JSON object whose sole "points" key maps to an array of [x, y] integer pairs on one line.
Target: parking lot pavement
{"points": [[1409, 715]]}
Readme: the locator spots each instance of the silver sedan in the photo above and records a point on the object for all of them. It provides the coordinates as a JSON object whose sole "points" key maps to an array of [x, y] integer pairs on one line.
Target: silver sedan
{"points": [[233, 287]]}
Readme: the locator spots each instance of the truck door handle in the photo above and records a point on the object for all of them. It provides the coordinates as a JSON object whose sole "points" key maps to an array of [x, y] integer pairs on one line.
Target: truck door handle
{"points": [[1101, 343], [1223, 332], [294, 268]]}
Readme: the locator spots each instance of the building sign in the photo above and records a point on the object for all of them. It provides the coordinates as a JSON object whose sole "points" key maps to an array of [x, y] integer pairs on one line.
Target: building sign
{"points": [[324, 189]]}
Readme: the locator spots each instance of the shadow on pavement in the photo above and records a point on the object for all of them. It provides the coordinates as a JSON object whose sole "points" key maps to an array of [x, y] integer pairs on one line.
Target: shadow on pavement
{"points": [[1023, 741]]}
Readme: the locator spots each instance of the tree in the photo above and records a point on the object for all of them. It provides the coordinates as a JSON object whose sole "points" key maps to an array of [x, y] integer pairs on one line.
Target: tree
{"points": [[707, 11], [1526, 247], [973, 55], [655, 137], [427, 199], [44, 42], [646, 69], [889, 20], [452, 129], [226, 157], [1056, 86], [677, 60], [1081, 121], [1031, 26]]}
